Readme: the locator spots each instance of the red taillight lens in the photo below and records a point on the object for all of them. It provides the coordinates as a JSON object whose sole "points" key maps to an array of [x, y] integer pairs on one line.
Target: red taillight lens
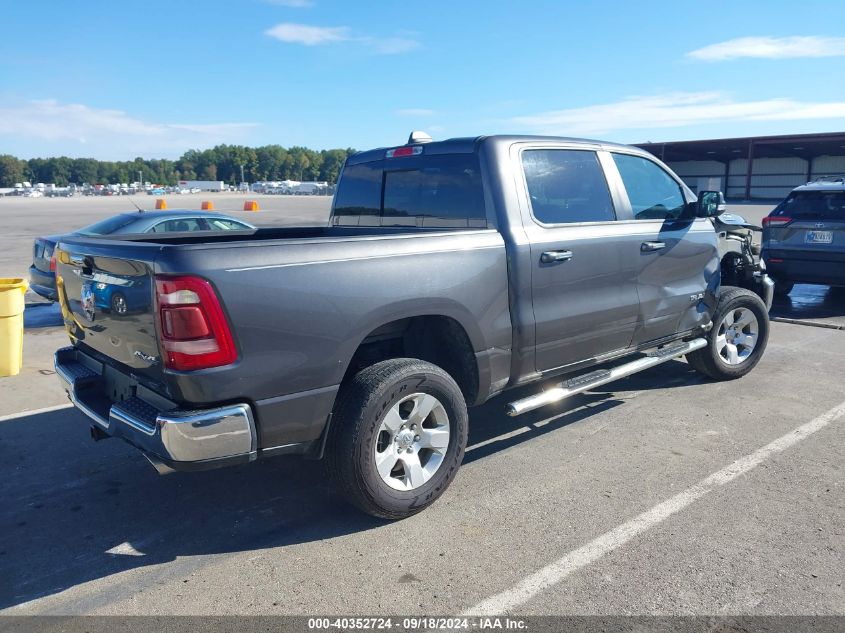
{"points": [[193, 329], [53, 262], [184, 323], [776, 220]]}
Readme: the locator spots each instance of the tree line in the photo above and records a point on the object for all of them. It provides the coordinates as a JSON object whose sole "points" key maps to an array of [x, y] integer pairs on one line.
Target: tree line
{"points": [[223, 162]]}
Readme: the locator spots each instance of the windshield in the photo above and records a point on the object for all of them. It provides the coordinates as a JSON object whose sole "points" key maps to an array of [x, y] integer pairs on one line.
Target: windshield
{"points": [[108, 226], [813, 205]]}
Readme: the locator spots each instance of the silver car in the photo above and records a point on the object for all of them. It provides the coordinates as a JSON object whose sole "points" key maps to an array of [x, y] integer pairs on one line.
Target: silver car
{"points": [[42, 273], [804, 236]]}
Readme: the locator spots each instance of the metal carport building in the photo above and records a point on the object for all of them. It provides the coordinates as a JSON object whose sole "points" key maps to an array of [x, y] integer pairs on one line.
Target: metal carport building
{"points": [[756, 167]]}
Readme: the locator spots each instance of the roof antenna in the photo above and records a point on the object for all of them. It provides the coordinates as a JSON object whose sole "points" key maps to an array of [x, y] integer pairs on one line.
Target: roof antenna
{"points": [[135, 204]]}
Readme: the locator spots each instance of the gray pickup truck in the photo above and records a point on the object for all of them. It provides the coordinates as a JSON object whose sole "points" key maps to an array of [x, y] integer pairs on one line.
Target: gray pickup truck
{"points": [[449, 272]]}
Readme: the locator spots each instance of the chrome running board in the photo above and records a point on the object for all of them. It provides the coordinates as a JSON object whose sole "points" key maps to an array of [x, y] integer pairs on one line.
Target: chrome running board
{"points": [[580, 384]]}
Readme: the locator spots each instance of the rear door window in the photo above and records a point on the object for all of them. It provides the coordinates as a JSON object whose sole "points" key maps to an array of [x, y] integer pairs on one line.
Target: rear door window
{"points": [[813, 205], [434, 191], [219, 224], [567, 186]]}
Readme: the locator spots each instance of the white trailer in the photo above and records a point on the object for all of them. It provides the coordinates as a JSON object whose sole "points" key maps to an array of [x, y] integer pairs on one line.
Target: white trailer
{"points": [[204, 185]]}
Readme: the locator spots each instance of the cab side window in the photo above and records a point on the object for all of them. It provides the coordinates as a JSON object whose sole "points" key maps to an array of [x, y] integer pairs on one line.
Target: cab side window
{"points": [[567, 186], [653, 193]]}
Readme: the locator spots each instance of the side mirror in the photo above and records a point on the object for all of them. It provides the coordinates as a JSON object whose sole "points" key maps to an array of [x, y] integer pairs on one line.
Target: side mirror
{"points": [[710, 204]]}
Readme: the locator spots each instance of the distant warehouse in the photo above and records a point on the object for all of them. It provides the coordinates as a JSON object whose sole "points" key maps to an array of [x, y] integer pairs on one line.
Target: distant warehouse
{"points": [[756, 167]]}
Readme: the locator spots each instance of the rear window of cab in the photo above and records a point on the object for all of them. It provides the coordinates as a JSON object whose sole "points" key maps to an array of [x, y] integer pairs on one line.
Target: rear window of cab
{"points": [[427, 191]]}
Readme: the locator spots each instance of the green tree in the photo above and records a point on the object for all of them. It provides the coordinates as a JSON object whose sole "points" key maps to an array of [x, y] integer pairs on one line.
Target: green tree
{"points": [[12, 170], [210, 172], [83, 170]]}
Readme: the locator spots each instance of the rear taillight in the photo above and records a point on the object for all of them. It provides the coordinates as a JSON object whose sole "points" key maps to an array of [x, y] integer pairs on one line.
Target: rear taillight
{"points": [[193, 329], [53, 262], [776, 220]]}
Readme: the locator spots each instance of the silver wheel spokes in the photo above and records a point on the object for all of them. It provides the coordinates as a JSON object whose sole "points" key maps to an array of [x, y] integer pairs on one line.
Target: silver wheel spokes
{"points": [[737, 336], [411, 441]]}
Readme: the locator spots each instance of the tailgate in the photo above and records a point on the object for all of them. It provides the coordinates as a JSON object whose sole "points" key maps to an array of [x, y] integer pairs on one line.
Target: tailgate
{"points": [[817, 235], [107, 295], [809, 224]]}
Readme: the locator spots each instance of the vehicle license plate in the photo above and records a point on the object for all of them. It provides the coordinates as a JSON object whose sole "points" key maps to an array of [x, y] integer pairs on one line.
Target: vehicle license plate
{"points": [[819, 237]]}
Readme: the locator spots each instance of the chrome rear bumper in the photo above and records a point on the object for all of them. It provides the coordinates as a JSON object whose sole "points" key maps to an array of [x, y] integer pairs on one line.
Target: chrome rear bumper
{"points": [[180, 439]]}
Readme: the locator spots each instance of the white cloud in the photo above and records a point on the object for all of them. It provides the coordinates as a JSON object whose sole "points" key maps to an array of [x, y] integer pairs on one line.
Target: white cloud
{"points": [[416, 112], [391, 45], [674, 110], [79, 129], [309, 35], [293, 4], [771, 48]]}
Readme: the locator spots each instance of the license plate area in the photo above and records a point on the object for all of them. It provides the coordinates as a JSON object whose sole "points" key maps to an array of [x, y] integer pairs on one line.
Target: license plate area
{"points": [[818, 237], [118, 386]]}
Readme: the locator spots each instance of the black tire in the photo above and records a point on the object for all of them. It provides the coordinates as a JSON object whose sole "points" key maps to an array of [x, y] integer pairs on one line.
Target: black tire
{"points": [[708, 360], [783, 288], [362, 405]]}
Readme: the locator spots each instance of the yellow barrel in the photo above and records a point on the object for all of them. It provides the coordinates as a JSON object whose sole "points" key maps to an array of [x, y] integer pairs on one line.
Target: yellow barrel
{"points": [[207, 205], [161, 203], [11, 325], [251, 205]]}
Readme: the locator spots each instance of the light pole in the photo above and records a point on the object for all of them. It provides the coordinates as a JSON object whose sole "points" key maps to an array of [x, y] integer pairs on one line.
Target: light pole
{"points": [[140, 179], [242, 174]]}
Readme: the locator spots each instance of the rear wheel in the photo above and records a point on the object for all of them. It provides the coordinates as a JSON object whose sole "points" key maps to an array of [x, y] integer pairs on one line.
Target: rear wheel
{"points": [[738, 338], [397, 437]]}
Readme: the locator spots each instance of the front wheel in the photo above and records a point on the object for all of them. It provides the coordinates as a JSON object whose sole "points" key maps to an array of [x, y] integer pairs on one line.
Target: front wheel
{"points": [[118, 304], [397, 437], [738, 338]]}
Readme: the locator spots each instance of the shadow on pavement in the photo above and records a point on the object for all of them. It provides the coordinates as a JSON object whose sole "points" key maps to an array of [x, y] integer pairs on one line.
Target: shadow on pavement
{"points": [[75, 510], [37, 315]]}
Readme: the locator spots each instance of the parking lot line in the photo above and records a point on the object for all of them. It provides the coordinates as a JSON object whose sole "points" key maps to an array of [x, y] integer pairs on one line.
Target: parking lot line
{"points": [[557, 571], [23, 414]]}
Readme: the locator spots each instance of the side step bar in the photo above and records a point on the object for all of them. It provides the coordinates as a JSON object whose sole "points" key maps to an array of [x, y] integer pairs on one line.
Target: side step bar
{"points": [[602, 376]]}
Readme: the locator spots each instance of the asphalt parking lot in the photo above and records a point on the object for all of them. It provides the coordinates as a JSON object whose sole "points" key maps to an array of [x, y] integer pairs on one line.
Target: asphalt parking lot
{"points": [[660, 494]]}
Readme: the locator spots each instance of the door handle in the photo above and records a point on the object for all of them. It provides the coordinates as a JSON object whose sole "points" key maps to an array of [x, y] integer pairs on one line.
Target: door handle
{"points": [[648, 247], [549, 257]]}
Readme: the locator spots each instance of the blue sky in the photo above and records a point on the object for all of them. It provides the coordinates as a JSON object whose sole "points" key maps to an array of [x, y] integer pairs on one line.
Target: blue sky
{"points": [[116, 80]]}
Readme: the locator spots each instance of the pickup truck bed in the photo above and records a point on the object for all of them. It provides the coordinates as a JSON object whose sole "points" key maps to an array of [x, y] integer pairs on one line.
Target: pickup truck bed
{"points": [[293, 354]]}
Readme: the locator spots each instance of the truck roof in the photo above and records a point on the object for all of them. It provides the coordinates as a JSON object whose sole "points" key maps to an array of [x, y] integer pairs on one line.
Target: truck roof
{"points": [[468, 144]]}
